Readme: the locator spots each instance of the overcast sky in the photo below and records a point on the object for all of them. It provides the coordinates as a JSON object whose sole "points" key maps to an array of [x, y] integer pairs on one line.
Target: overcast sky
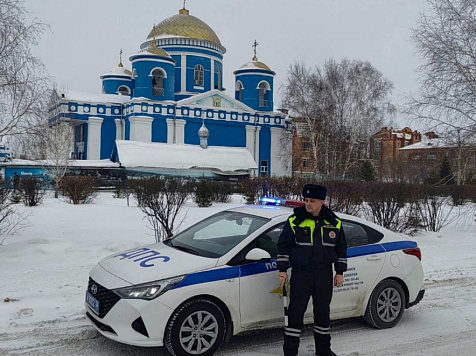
{"points": [[85, 36]]}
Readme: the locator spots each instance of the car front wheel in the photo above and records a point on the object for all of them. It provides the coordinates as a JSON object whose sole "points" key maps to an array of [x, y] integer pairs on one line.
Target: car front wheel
{"points": [[196, 328], [386, 305]]}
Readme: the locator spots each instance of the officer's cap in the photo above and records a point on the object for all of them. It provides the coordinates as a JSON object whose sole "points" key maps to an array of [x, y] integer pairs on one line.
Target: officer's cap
{"points": [[314, 191]]}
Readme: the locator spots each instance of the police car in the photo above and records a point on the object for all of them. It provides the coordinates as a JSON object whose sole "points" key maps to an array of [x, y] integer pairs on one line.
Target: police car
{"points": [[218, 278]]}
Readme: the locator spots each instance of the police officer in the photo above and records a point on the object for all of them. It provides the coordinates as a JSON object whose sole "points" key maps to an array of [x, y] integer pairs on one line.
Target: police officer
{"points": [[311, 242]]}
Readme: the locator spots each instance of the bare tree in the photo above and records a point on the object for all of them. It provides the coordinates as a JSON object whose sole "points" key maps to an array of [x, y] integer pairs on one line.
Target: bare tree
{"points": [[11, 219], [342, 104], [446, 38], [49, 137], [463, 156], [58, 142], [161, 200], [435, 211], [22, 76]]}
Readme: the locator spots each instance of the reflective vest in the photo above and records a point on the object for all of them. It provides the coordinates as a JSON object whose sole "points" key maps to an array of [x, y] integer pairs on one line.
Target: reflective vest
{"points": [[304, 232]]}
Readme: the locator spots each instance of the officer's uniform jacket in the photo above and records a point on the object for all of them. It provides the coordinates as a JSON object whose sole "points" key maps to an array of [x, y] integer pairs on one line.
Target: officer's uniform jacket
{"points": [[312, 243]]}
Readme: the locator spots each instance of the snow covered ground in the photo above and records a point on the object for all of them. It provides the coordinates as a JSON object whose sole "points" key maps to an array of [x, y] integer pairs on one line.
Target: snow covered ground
{"points": [[44, 272]]}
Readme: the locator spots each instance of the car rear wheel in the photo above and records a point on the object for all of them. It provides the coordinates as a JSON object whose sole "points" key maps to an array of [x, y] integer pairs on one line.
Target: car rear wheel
{"points": [[386, 305], [196, 328]]}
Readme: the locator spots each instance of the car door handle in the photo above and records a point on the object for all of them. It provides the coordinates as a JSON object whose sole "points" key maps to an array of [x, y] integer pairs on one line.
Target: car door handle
{"points": [[374, 258]]}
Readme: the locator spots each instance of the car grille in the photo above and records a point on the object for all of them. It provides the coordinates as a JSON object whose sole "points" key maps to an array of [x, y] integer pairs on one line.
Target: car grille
{"points": [[107, 299]]}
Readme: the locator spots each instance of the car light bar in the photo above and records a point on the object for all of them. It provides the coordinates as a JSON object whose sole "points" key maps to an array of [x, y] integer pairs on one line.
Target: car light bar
{"points": [[283, 202], [270, 201]]}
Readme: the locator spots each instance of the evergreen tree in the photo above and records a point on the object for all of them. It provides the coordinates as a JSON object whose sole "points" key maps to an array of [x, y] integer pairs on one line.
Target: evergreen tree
{"points": [[431, 178], [446, 174], [368, 172], [204, 194]]}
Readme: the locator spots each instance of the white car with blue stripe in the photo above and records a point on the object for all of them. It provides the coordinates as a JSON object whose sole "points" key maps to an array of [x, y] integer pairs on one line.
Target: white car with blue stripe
{"points": [[218, 278]]}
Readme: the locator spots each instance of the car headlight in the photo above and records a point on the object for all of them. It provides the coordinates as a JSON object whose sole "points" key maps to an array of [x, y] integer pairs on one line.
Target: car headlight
{"points": [[150, 290]]}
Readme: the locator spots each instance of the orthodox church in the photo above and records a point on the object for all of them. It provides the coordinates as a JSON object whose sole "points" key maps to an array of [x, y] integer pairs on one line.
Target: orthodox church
{"points": [[172, 103]]}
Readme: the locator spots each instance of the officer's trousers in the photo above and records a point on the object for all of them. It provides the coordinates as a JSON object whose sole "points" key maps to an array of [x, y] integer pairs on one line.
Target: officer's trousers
{"points": [[304, 284]]}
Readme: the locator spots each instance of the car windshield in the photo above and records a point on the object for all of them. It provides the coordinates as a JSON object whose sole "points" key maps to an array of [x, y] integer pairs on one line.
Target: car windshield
{"points": [[218, 234]]}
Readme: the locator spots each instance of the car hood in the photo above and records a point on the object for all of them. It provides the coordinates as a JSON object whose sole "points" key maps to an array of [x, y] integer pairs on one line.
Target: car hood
{"points": [[153, 263]]}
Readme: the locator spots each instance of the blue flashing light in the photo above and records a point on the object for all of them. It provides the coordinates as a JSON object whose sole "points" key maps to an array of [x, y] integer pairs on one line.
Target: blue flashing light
{"points": [[270, 201]]}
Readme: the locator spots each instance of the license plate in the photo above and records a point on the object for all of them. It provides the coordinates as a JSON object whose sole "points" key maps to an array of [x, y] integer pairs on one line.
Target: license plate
{"points": [[92, 302]]}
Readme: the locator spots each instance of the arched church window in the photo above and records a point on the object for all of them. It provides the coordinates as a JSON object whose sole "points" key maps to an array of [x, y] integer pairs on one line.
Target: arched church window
{"points": [[218, 82], [199, 75], [124, 90], [134, 73], [263, 88], [157, 82], [239, 91]]}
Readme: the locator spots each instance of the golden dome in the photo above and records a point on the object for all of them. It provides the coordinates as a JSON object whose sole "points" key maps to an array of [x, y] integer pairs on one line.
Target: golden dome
{"points": [[184, 25], [255, 65], [155, 50]]}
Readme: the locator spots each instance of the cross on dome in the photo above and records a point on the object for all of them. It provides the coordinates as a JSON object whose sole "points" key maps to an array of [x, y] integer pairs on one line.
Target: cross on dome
{"points": [[184, 11], [255, 46], [120, 59]]}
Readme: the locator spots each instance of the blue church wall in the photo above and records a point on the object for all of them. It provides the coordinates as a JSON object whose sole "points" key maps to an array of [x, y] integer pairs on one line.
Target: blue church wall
{"points": [[127, 129], [265, 147], [193, 61], [86, 130], [224, 133], [77, 136], [181, 97], [82, 111], [143, 81], [250, 93], [111, 85], [101, 110], [159, 129], [108, 136], [178, 71], [218, 75], [191, 132], [87, 108]]}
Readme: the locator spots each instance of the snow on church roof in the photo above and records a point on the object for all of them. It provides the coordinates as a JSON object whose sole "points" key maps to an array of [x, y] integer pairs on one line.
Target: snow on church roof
{"points": [[96, 98], [255, 65], [180, 156], [118, 72]]}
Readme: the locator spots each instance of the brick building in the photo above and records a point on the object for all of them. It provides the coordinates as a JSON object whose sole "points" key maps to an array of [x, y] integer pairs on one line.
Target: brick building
{"points": [[384, 149], [302, 158], [424, 158]]}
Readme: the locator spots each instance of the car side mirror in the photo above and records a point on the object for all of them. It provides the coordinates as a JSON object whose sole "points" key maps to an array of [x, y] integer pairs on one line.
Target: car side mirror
{"points": [[258, 254]]}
